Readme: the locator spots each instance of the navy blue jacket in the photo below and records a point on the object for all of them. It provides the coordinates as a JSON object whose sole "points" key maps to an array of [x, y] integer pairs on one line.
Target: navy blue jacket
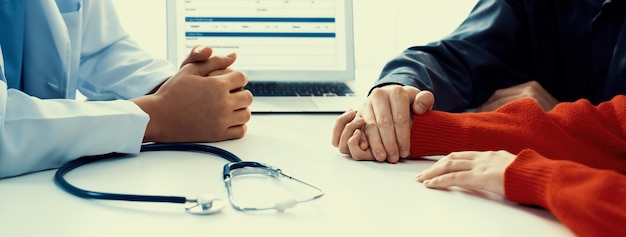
{"points": [[573, 48]]}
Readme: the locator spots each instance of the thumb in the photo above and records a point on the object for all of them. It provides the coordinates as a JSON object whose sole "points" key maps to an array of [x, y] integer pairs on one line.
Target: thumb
{"points": [[215, 63], [423, 102], [198, 54]]}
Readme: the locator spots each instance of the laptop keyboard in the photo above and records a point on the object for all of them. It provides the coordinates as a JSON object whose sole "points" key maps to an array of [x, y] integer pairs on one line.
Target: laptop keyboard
{"points": [[299, 89]]}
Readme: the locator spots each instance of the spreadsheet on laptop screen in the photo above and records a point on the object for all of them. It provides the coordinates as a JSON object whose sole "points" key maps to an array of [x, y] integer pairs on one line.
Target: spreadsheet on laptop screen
{"points": [[290, 35]]}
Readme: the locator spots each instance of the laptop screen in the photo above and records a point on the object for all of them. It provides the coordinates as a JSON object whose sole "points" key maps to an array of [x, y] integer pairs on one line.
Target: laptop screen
{"points": [[275, 40]]}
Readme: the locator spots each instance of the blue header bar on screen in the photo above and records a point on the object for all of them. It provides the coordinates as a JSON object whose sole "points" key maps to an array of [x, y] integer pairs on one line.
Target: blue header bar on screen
{"points": [[259, 19], [259, 34]]}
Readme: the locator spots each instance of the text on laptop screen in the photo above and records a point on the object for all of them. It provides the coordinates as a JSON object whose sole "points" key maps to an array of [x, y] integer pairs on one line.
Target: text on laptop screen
{"points": [[288, 35]]}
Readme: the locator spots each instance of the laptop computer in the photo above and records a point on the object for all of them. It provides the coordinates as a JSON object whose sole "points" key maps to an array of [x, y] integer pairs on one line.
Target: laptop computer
{"points": [[280, 45]]}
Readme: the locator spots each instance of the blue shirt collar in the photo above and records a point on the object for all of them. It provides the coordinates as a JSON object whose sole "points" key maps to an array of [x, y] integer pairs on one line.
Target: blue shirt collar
{"points": [[12, 41]]}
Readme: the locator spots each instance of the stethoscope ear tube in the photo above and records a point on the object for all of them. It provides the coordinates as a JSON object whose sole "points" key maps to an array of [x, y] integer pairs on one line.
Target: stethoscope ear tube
{"points": [[59, 176], [191, 147]]}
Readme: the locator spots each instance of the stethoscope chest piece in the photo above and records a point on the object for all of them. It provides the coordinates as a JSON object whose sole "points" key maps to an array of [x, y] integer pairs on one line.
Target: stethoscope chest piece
{"points": [[205, 205]]}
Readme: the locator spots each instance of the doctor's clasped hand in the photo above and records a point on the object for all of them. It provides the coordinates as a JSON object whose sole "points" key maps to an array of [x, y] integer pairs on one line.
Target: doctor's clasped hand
{"points": [[203, 102]]}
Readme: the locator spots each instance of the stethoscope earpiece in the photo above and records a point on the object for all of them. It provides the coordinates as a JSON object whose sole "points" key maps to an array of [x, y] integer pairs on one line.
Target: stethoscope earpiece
{"points": [[284, 205]]}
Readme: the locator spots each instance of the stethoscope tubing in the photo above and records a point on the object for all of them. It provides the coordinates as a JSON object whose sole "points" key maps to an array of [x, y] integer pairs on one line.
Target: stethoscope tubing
{"points": [[59, 176]]}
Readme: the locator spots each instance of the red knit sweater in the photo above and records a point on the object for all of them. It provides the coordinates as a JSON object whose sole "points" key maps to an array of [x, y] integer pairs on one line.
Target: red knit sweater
{"points": [[570, 161]]}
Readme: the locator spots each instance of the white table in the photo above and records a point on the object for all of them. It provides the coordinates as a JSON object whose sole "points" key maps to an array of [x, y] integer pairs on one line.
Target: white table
{"points": [[362, 198]]}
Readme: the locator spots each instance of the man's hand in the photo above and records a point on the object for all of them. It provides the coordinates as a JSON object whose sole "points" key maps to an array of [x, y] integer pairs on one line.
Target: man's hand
{"points": [[203, 102], [531, 89], [381, 130]]}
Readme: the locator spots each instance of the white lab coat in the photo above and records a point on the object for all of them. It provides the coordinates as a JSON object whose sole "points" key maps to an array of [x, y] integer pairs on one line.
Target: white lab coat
{"points": [[69, 45]]}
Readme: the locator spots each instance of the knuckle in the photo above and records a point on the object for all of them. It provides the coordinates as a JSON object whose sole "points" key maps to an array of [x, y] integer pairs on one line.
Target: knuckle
{"points": [[493, 153], [377, 92], [401, 119], [239, 134], [452, 155], [498, 92], [219, 83], [385, 90], [249, 97], [530, 91], [344, 150], [186, 67], [533, 84], [396, 90], [370, 126], [248, 114], [437, 182], [244, 130], [385, 122], [453, 176], [239, 74], [481, 169]]}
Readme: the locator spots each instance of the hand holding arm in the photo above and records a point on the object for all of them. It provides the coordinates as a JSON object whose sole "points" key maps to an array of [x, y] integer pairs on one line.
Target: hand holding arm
{"points": [[387, 115]]}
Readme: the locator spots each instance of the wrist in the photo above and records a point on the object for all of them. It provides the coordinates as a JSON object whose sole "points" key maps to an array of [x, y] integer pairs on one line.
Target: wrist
{"points": [[148, 104]]}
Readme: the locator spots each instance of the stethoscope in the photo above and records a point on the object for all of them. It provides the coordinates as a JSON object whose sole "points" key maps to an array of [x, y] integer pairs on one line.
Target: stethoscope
{"points": [[203, 204]]}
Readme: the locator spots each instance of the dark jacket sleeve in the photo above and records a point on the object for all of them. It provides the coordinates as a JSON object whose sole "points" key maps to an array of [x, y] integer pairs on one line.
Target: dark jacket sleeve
{"points": [[491, 49]]}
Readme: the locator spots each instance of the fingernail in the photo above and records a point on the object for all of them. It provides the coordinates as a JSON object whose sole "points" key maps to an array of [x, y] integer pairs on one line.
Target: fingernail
{"points": [[199, 49], [421, 106], [404, 153], [391, 154], [231, 55], [380, 154]]}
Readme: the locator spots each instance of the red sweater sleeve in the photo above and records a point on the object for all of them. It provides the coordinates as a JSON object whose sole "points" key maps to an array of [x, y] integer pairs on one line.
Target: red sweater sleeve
{"points": [[590, 202], [577, 131]]}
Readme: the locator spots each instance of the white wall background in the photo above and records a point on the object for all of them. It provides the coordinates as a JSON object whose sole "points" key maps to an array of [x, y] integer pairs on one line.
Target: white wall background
{"points": [[383, 28]]}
